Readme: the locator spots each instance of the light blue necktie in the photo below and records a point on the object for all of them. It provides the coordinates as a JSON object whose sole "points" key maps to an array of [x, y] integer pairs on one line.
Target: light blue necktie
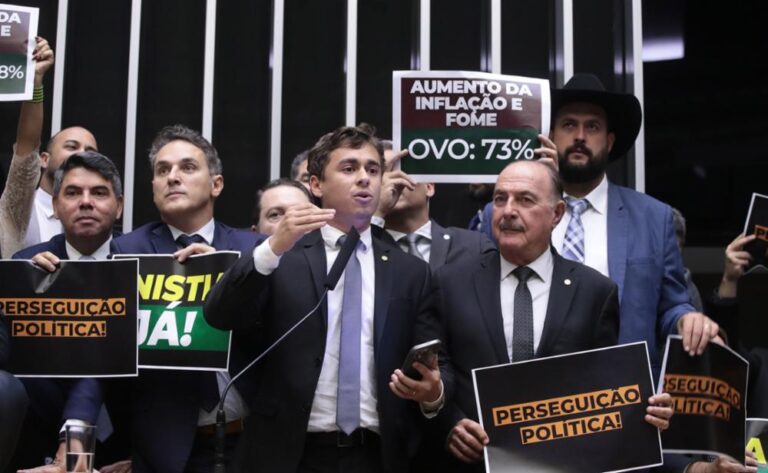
{"points": [[573, 244], [348, 394]]}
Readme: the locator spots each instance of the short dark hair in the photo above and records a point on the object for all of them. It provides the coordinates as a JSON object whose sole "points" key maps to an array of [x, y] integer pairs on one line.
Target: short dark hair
{"points": [[354, 137], [94, 162], [193, 137], [300, 158], [283, 181]]}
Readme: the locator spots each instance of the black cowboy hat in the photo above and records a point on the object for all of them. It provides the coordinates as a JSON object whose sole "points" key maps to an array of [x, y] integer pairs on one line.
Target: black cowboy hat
{"points": [[622, 110]]}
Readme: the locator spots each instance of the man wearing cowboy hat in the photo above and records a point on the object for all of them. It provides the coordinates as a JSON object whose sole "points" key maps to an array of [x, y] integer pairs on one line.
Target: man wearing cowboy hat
{"points": [[626, 235]]}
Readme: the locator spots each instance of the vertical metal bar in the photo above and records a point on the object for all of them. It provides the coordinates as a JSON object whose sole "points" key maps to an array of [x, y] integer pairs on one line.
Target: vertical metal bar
{"points": [[496, 36], [58, 73], [424, 34], [276, 122], [637, 81], [130, 116], [351, 63], [209, 68], [563, 41]]}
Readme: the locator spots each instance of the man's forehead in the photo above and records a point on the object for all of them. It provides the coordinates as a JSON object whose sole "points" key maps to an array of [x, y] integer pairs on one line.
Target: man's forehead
{"points": [[581, 109], [365, 153], [76, 134], [522, 177], [179, 150], [84, 177]]}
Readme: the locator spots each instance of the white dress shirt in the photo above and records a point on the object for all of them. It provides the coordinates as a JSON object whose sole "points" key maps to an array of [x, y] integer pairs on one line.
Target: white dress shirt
{"points": [[538, 284], [322, 417], [234, 406], [100, 254], [595, 222], [43, 225], [424, 245]]}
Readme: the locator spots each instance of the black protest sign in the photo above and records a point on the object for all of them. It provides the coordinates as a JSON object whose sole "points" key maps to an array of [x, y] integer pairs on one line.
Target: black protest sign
{"points": [[581, 412], [757, 224], [77, 321], [709, 393], [173, 333], [757, 441]]}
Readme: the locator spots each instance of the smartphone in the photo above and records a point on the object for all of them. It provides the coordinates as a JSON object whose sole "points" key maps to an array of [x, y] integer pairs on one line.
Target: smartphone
{"points": [[424, 353]]}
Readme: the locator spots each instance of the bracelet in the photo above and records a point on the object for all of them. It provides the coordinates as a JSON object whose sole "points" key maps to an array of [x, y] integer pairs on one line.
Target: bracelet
{"points": [[37, 95]]}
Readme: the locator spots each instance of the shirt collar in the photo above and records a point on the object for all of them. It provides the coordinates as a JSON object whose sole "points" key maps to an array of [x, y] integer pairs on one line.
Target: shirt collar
{"points": [[424, 230], [206, 231], [101, 252], [542, 266], [598, 198], [331, 237], [45, 200]]}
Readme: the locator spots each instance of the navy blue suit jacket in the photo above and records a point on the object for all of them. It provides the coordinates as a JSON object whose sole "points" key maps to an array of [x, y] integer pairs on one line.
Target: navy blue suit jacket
{"points": [[645, 262], [61, 399], [166, 403]]}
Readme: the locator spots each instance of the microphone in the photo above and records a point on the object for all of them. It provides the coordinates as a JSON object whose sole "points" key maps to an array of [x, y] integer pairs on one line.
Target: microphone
{"points": [[345, 253]]}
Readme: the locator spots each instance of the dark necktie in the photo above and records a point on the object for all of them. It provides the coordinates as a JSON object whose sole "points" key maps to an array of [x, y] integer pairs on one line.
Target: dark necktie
{"points": [[209, 386], [186, 240], [348, 388], [409, 242], [522, 330]]}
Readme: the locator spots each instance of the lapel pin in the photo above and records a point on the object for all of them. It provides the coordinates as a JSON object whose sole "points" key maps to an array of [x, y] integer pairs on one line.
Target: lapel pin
{"points": [[446, 237], [567, 282], [384, 258]]}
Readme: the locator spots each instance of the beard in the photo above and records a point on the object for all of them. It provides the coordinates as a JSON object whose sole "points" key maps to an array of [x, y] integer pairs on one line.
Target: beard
{"points": [[581, 173]]}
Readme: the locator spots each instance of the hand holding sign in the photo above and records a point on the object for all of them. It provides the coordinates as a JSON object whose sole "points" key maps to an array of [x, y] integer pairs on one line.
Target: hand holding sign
{"points": [[43, 57], [737, 260], [47, 261], [659, 411], [467, 440], [697, 330]]}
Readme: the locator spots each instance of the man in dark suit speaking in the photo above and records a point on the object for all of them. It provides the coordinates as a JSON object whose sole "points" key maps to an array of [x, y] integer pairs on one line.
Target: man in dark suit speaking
{"points": [[523, 302], [330, 397]]}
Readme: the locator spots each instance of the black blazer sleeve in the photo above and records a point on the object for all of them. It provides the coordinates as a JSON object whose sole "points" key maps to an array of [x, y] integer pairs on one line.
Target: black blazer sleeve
{"points": [[235, 300]]}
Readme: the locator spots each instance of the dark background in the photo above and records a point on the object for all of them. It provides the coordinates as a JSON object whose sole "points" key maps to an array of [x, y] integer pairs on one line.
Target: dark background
{"points": [[704, 110]]}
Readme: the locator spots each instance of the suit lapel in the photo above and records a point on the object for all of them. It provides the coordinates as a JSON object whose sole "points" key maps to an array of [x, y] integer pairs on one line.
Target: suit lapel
{"points": [[563, 287], [162, 240], [487, 289], [618, 229], [438, 251], [314, 251], [60, 247], [220, 237], [383, 282]]}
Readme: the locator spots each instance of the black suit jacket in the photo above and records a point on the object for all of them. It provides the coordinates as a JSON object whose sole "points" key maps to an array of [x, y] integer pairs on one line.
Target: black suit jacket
{"points": [[287, 377], [166, 403], [582, 313], [453, 245], [450, 245]]}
